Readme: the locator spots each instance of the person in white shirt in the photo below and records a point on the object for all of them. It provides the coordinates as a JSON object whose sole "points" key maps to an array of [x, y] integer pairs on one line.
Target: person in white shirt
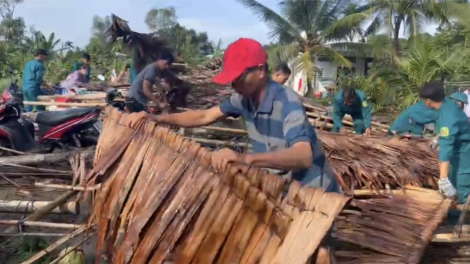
{"points": [[466, 108]]}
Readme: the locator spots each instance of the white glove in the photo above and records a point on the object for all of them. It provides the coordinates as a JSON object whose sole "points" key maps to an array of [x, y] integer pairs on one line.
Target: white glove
{"points": [[446, 188], [433, 144]]}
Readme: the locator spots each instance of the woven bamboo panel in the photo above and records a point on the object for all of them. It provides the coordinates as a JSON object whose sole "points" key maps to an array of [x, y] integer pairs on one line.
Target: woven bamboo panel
{"points": [[160, 200]]}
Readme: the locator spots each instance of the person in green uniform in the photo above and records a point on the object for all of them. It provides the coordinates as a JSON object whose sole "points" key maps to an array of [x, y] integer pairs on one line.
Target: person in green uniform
{"points": [[459, 98], [413, 119], [33, 74], [85, 60], [454, 142], [134, 67], [353, 102]]}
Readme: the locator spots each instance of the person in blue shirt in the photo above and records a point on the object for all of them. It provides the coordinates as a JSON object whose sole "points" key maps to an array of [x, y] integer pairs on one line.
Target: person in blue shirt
{"points": [[352, 102], [454, 142], [33, 79], [86, 58], [413, 120], [459, 98], [281, 136]]}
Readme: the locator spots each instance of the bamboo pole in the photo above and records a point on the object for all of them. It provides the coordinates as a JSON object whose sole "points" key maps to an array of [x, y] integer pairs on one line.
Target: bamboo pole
{"points": [[27, 207], [63, 104], [32, 159], [12, 151], [45, 210], [34, 168], [41, 224], [218, 142], [55, 245], [32, 234], [68, 187]]}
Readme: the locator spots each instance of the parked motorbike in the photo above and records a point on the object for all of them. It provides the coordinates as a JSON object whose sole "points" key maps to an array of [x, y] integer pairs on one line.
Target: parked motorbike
{"points": [[58, 130], [111, 99]]}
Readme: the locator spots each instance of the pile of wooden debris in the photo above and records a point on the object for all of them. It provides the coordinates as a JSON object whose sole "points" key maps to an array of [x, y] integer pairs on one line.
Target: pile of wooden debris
{"points": [[160, 202]]}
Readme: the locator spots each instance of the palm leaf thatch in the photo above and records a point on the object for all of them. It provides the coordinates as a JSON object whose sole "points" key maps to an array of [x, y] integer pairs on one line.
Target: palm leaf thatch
{"points": [[378, 162], [159, 200], [148, 45]]}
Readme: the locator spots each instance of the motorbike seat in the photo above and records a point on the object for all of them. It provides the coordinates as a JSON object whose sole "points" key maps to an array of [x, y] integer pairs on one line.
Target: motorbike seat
{"points": [[54, 118]]}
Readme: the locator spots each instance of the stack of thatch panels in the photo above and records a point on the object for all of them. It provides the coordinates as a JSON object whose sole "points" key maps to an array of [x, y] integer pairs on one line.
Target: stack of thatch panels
{"points": [[161, 201]]}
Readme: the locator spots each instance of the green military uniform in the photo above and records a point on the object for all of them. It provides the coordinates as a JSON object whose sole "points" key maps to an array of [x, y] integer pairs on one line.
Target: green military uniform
{"points": [[460, 97], [360, 111], [454, 146], [78, 65], [133, 71], [413, 120], [33, 74]]}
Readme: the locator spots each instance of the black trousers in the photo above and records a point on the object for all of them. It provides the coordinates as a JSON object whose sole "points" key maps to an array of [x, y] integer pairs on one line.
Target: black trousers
{"points": [[133, 106]]}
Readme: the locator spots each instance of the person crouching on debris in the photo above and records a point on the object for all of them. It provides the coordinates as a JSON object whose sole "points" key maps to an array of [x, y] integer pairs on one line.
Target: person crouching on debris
{"points": [[413, 120], [281, 73], [77, 78], [460, 99], [454, 142], [140, 91], [86, 59], [353, 102], [279, 131]]}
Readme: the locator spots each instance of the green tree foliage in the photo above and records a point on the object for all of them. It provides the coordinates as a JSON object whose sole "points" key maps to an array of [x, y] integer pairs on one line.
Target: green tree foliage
{"points": [[191, 46], [18, 43]]}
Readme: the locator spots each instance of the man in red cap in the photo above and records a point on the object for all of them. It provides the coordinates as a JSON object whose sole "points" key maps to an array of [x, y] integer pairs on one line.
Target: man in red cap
{"points": [[280, 134]]}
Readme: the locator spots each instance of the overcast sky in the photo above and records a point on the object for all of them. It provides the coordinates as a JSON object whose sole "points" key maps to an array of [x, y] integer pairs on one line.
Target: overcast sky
{"points": [[71, 20]]}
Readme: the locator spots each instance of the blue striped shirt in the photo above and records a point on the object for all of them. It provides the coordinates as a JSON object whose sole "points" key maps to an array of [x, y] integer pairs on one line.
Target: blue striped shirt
{"points": [[280, 122]]}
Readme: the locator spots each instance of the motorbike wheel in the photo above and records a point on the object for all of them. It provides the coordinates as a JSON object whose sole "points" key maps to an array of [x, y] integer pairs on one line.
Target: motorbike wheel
{"points": [[59, 148], [89, 140], [5, 144]]}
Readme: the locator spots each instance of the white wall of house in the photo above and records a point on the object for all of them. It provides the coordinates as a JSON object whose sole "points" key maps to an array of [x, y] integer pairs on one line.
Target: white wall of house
{"points": [[327, 70]]}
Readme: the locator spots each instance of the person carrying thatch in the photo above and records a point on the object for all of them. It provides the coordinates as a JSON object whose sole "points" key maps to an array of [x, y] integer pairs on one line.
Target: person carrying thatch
{"points": [[454, 142], [278, 127], [140, 91], [413, 120], [281, 73], [352, 102]]}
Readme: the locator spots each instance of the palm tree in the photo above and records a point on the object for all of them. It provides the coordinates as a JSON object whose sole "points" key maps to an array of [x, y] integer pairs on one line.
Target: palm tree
{"points": [[37, 40], [407, 15], [303, 29], [420, 64]]}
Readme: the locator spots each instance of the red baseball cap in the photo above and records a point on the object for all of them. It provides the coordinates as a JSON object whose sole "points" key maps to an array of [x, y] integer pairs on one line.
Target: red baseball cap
{"points": [[239, 56]]}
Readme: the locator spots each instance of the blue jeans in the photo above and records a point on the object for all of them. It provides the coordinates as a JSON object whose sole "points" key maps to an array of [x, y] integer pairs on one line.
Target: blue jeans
{"points": [[31, 94]]}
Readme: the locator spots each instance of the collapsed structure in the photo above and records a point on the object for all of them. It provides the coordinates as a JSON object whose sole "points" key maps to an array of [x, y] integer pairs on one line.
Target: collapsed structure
{"points": [[160, 202]]}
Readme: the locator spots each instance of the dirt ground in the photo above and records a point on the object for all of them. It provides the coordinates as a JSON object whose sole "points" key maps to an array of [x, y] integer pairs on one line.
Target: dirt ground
{"points": [[12, 249]]}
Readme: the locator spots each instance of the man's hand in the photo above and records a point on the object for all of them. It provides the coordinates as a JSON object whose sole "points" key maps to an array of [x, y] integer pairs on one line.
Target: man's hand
{"points": [[136, 118], [367, 132], [446, 188], [221, 158], [342, 130]]}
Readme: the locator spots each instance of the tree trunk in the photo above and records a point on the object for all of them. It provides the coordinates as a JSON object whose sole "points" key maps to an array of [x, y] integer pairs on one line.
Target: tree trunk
{"points": [[396, 38]]}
